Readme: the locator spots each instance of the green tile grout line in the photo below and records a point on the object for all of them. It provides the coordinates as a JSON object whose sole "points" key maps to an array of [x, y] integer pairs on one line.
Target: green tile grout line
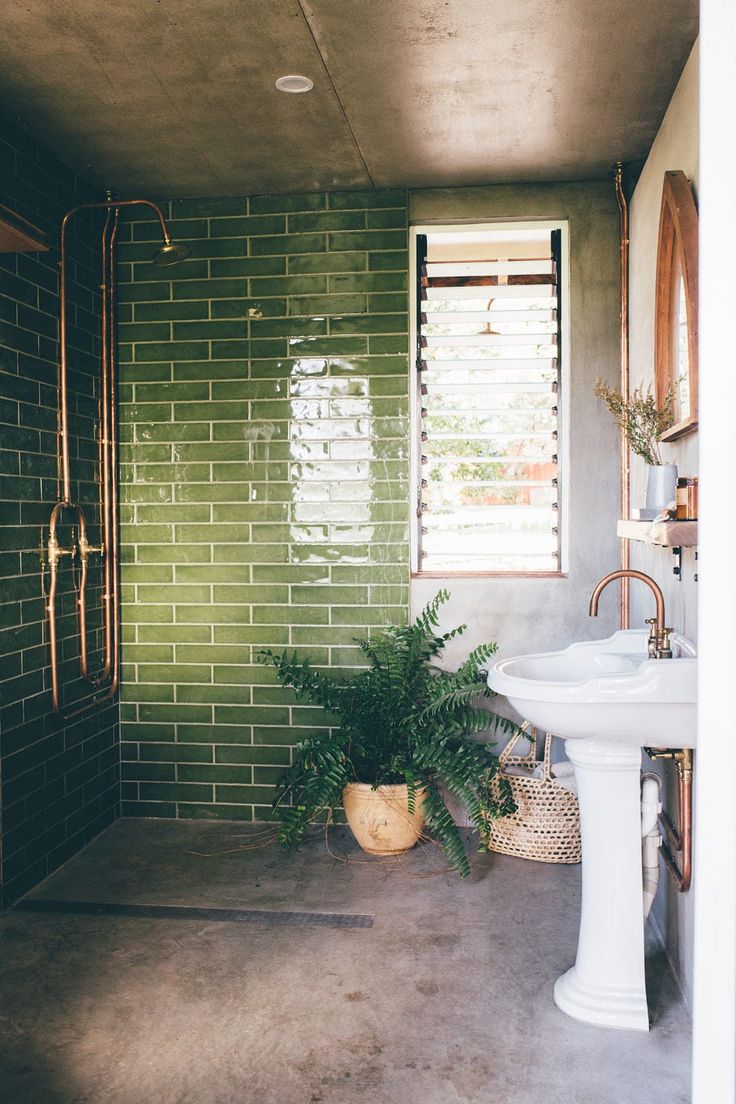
{"points": [[264, 480]]}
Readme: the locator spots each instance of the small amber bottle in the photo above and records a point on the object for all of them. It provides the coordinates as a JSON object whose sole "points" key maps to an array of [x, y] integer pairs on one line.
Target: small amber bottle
{"points": [[686, 498]]}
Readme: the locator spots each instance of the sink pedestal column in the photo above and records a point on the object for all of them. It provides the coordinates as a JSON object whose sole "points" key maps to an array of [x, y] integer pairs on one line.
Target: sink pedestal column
{"points": [[606, 984]]}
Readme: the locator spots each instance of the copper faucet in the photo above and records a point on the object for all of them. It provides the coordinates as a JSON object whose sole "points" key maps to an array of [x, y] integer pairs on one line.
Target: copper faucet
{"points": [[659, 643]]}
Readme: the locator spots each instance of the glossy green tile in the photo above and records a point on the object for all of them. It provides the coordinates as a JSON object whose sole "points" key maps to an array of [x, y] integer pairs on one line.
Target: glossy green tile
{"points": [[175, 592], [160, 692], [225, 350], [176, 753], [378, 345], [309, 201], [169, 392], [144, 331], [249, 308], [387, 219], [338, 345], [367, 281], [367, 239], [182, 229], [329, 262], [148, 772], [174, 791], [397, 261], [327, 304], [170, 311], [213, 329], [269, 495], [329, 220], [288, 327], [294, 284], [368, 324], [389, 302], [211, 289], [256, 755], [209, 208], [244, 794], [179, 714], [248, 225], [247, 266], [287, 244], [346, 201], [188, 634], [219, 247], [171, 350]]}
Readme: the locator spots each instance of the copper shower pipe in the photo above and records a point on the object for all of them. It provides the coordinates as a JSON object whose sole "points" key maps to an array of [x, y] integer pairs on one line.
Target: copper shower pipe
{"points": [[107, 459], [623, 209]]}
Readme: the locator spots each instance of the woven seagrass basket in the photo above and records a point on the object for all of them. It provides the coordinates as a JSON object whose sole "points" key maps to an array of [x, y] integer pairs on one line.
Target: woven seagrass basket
{"points": [[546, 825]]}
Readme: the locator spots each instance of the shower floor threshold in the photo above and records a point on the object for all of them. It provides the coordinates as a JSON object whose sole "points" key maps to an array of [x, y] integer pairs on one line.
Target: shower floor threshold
{"points": [[193, 912]]}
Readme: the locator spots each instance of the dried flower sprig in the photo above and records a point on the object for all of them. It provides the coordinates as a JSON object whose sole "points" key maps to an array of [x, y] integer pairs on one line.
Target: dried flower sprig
{"points": [[639, 418]]}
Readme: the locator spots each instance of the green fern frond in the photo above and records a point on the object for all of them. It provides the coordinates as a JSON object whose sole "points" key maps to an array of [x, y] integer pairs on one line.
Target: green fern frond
{"points": [[400, 719], [443, 827]]}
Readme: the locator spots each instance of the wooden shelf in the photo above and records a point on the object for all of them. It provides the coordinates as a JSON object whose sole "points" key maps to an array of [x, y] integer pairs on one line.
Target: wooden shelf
{"points": [[668, 534], [17, 235]]}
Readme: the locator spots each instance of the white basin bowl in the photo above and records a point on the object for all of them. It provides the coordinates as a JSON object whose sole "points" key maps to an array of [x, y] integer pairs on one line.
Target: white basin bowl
{"points": [[606, 690]]}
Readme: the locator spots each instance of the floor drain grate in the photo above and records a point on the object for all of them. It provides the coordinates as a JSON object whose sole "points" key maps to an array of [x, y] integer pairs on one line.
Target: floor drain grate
{"points": [[192, 912]]}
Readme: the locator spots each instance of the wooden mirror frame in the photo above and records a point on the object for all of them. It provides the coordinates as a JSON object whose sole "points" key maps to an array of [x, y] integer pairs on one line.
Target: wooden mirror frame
{"points": [[677, 252]]}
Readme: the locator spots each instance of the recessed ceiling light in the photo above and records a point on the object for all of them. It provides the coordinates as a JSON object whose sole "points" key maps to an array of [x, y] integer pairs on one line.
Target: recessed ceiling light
{"points": [[294, 83]]}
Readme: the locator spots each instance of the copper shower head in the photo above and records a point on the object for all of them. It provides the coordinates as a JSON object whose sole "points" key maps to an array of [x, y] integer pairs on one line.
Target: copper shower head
{"points": [[170, 253]]}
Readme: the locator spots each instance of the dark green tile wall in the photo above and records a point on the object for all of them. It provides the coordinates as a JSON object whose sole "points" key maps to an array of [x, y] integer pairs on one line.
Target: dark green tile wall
{"points": [[60, 782], [264, 482]]}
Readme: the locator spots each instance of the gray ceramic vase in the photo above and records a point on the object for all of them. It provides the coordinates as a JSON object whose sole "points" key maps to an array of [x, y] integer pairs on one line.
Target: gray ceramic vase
{"points": [[661, 486]]}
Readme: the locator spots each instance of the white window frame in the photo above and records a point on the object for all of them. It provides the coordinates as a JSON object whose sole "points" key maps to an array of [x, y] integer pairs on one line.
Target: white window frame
{"points": [[563, 403]]}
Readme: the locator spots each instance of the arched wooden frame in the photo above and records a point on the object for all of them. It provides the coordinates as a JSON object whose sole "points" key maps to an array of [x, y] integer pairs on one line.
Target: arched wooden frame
{"points": [[677, 254]]}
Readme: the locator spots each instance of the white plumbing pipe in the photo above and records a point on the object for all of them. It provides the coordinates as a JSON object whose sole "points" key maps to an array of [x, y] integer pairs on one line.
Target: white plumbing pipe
{"points": [[651, 807]]}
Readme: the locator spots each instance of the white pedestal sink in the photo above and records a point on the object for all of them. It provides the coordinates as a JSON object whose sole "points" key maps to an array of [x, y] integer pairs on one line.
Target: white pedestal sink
{"points": [[607, 700]]}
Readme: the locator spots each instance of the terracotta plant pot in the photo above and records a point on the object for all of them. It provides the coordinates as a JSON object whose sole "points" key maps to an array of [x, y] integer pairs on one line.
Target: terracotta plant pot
{"points": [[380, 819]]}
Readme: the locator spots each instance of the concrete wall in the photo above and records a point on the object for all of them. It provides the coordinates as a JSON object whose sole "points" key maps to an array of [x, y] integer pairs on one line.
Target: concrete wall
{"points": [[676, 147], [537, 613]]}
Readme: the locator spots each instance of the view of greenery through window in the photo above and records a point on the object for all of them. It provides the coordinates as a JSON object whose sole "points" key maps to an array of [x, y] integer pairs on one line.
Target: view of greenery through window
{"points": [[489, 420]]}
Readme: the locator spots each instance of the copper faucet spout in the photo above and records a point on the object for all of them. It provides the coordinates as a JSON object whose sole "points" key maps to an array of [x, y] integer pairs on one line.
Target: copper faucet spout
{"points": [[629, 573]]}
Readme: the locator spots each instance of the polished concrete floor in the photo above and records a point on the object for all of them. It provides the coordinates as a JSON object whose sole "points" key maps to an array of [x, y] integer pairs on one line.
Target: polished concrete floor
{"points": [[446, 999]]}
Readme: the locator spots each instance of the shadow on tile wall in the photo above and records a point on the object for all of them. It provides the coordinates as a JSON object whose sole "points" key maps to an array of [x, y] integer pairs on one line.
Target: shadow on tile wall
{"points": [[60, 782]]}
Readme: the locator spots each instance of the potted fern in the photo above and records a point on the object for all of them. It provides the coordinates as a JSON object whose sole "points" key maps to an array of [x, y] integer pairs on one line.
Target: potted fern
{"points": [[405, 734]]}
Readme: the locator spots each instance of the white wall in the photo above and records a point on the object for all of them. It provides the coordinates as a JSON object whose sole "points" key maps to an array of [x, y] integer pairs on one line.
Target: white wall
{"points": [[675, 147], [536, 614], [714, 1004]]}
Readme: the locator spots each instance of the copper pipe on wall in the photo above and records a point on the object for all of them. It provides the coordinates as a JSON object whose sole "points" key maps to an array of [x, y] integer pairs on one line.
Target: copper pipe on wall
{"points": [[678, 840], [103, 450], [107, 462], [113, 515], [624, 383]]}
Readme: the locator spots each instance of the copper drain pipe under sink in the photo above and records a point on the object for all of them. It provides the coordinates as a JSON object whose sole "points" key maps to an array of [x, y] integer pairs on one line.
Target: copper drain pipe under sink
{"points": [[106, 679]]}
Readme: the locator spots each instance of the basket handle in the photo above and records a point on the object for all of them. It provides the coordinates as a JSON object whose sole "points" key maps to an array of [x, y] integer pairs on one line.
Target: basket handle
{"points": [[530, 734], [547, 758]]}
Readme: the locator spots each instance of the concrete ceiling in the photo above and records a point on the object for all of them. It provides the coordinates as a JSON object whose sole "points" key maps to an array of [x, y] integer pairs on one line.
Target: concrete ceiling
{"points": [[176, 97]]}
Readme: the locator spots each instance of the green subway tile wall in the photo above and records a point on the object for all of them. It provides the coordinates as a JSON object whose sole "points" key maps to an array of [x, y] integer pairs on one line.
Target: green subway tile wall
{"points": [[60, 782], [264, 390]]}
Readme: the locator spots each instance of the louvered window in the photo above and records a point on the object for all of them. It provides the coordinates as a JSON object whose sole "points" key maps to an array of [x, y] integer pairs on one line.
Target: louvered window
{"points": [[488, 426]]}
